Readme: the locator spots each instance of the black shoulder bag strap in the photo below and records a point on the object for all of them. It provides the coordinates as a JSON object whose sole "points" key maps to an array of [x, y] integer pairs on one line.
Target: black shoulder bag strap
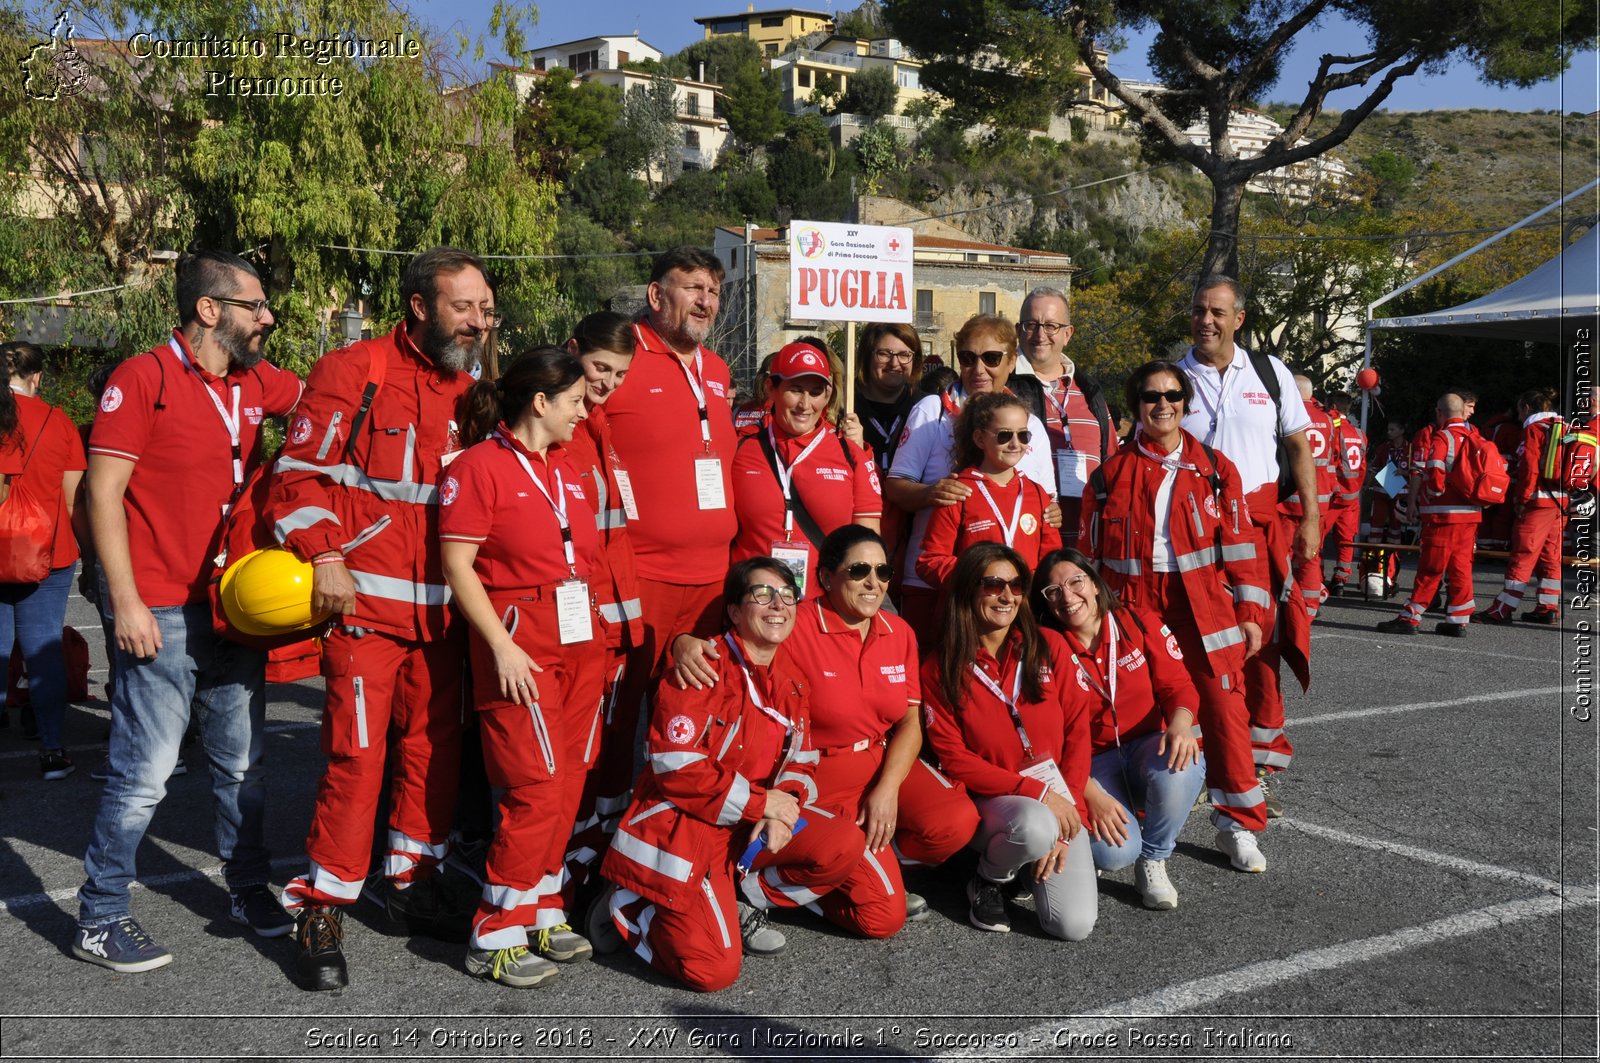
{"points": [[1262, 364]]}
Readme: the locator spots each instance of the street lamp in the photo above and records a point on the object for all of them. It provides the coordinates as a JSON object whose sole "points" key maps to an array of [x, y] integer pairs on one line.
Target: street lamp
{"points": [[350, 321]]}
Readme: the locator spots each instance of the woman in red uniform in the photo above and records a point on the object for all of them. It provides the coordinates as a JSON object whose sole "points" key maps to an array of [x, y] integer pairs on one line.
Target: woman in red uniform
{"points": [[519, 553], [603, 342], [1142, 708], [1002, 722], [728, 768], [796, 480], [1540, 506], [1004, 506], [1166, 522]]}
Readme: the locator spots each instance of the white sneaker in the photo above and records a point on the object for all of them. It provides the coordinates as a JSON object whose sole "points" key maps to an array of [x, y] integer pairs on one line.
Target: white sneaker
{"points": [[1150, 879], [760, 939], [1242, 850]]}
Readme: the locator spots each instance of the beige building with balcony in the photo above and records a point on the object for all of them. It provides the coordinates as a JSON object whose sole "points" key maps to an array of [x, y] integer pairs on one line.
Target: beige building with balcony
{"points": [[801, 71], [593, 53], [773, 30]]}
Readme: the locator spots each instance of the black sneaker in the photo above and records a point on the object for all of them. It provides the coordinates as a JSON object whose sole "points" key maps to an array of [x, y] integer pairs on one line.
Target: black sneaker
{"points": [[1548, 617], [987, 908], [420, 908], [1489, 616], [320, 965], [102, 771], [55, 764], [122, 946], [600, 928], [1455, 631], [258, 909], [1396, 627], [1336, 589]]}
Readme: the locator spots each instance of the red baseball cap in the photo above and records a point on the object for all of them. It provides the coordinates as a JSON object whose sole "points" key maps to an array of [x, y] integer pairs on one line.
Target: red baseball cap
{"points": [[796, 360]]}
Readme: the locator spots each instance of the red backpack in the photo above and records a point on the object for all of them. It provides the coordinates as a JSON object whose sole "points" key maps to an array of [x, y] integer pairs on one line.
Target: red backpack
{"points": [[1478, 471]]}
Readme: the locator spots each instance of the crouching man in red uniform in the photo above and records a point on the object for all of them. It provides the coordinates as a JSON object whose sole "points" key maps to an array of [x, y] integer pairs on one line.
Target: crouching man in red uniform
{"points": [[726, 767]]}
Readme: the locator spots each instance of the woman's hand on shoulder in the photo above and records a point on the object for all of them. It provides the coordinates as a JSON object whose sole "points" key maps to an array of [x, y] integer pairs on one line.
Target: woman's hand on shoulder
{"points": [[693, 662]]}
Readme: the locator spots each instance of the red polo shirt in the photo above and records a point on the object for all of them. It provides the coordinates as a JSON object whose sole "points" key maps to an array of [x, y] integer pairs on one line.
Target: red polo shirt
{"points": [[837, 489], [488, 499], [1152, 682], [859, 689], [155, 413], [951, 529], [655, 425]]}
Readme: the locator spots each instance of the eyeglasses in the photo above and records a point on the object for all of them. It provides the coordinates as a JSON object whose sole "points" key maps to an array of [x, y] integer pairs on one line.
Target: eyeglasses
{"points": [[861, 570], [1049, 328], [1054, 592], [1003, 435], [763, 593], [493, 318], [257, 307], [1150, 398], [886, 355], [991, 586], [992, 359]]}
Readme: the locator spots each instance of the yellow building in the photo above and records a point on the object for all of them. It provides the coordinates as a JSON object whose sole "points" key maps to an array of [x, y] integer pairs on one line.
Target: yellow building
{"points": [[773, 30]]}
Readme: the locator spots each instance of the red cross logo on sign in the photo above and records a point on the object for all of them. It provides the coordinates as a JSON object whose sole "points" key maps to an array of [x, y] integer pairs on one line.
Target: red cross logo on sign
{"points": [[894, 245]]}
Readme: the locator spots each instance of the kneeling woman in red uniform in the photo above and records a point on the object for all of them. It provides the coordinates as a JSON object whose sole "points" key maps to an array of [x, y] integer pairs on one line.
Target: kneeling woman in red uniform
{"points": [[1166, 521], [728, 767], [519, 549], [1002, 723]]}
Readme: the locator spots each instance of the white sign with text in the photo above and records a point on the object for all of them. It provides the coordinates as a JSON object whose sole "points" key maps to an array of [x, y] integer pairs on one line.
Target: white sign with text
{"points": [[840, 272]]}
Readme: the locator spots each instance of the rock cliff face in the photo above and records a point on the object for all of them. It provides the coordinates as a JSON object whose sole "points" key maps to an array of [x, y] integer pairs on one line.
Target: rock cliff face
{"points": [[1140, 202]]}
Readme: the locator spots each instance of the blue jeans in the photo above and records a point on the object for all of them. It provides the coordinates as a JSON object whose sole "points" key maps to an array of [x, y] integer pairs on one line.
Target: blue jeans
{"points": [[1135, 774], [31, 616], [150, 706]]}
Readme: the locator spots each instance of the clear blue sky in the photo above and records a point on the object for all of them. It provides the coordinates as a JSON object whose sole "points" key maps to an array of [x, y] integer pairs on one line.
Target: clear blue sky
{"points": [[669, 25]]}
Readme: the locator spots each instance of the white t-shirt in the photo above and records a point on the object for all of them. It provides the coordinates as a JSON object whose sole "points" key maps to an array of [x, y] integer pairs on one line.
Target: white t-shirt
{"points": [[925, 455], [1232, 413]]}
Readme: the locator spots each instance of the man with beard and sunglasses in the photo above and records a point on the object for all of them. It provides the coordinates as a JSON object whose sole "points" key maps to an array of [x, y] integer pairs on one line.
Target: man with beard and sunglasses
{"points": [[177, 435], [356, 492]]}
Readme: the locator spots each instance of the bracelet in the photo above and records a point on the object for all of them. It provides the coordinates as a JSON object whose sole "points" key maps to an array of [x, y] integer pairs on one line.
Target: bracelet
{"points": [[328, 558]]}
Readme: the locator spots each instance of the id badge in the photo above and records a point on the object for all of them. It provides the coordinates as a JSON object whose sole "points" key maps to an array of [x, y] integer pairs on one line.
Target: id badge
{"points": [[1048, 772], [708, 483], [625, 489], [1072, 472], [795, 556], [572, 612]]}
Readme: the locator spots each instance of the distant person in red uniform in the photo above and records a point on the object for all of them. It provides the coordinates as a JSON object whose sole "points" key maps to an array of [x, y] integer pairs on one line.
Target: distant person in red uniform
{"points": [[1387, 517], [1004, 506], [1349, 460], [795, 479], [1504, 430], [1541, 506], [1319, 436]]}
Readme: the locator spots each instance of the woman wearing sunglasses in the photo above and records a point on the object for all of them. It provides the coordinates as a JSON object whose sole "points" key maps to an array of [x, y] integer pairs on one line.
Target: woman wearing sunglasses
{"points": [[922, 477], [727, 768], [1142, 708], [1005, 506], [1003, 722], [1167, 524]]}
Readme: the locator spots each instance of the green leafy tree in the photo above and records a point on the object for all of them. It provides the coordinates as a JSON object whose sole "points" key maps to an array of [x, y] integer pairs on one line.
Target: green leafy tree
{"points": [[872, 93], [565, 123], [1216, 58], [650, 118], [865, 21], [882, 155], [723, 58], [752, 103]]}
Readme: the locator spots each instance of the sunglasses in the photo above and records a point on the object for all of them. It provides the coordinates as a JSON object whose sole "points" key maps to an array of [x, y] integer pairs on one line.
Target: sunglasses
{"points": [[1150, 398], [992, 359], [861, 570], [1003, 435], [763, 593], [991, 586]]}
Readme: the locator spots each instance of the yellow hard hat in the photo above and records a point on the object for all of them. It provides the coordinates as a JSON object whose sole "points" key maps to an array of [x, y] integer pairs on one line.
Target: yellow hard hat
{"points": [[268, 592]]}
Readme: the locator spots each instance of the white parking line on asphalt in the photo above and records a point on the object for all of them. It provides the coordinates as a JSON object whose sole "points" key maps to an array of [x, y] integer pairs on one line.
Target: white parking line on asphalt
{"points": [[1427, 856], [33, 900], [1198, 993], [1410, 640], [272, 728], [1417, 706]]}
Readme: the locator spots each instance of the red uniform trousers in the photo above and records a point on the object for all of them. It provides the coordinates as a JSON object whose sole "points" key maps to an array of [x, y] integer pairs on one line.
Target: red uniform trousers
{"points": [[538, 759], [920, 608], [608, 784], [935, 820], [1498, 525], [1446, 551], [1344, 522], [1263, 696], [1535, 551], [1224, 719], [375, 684], [700, 946], [1307, 574]]}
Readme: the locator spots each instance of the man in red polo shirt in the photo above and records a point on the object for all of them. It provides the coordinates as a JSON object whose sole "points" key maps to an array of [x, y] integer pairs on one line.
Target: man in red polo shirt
{"points": [[177, 435], [673, 431]]}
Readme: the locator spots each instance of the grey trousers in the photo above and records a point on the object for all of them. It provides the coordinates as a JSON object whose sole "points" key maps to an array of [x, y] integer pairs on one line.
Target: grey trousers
{"points": [[1015, 831]]}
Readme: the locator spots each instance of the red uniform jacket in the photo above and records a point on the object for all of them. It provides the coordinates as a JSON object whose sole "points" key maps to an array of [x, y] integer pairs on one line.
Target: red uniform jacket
{"points": [[379, 505], [697, 786], [1224, 577], [1152, 682], [1349, 458], [1319, 435], [616, 577], [951, 529], [1526, 487], [977, 742], [1438, 503]]}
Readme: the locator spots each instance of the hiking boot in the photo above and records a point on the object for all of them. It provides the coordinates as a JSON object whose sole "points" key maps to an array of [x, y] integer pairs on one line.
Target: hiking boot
{"points": [[423, 907], [916, 907], [516, 967], [600, 928], [1396, 626], [1489, 616], [760, 939], [320, 965], [1336, 589], [563, 944], [1241, 849], [1548, 617], [258, 909], [54, 764], [1269, 793], [122, 946], [986, 906], [1449, 630], [1155, 889]]}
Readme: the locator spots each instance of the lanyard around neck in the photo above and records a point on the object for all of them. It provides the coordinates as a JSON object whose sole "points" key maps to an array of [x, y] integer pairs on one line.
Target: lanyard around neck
{"points": [[1107, 695], [1008, 530], [750, 683], [230, 423], [1009, 702], [785, 473], [695, 385], [558, 508]]}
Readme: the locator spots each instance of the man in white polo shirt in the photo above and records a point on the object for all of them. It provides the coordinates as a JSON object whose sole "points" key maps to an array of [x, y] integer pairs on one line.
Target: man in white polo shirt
{"points": [[1236, 412]]}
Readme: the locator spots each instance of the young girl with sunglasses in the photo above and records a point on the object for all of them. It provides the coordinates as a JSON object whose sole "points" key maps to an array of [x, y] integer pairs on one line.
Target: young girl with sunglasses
{"points": [[1004, 505]]}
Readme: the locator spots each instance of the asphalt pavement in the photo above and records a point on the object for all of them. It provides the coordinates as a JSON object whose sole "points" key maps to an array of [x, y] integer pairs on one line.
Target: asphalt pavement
{"points": [[1431, 892]]}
